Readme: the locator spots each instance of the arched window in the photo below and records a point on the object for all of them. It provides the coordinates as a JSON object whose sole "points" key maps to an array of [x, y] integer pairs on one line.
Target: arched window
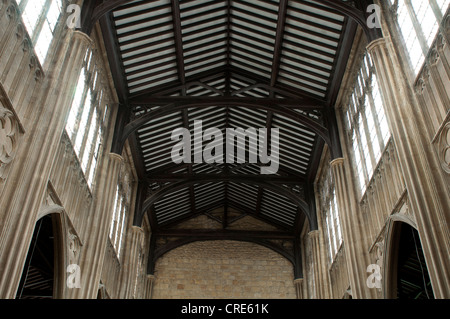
{"points": [[330, 213], [121, 209], [40, 18], [366, 123], [87, 118], [418, 21]]}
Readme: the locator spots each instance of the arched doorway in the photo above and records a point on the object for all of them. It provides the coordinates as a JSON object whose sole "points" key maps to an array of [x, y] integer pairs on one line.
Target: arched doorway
{"points": [[408, 278], [38, 279]]}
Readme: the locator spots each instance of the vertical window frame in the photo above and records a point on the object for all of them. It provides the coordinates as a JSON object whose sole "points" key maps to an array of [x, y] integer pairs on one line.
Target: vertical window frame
{"points": [[357, 124]]}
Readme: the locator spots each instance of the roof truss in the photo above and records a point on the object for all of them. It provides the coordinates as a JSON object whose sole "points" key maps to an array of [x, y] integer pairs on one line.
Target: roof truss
{"points": [[231, 63]]}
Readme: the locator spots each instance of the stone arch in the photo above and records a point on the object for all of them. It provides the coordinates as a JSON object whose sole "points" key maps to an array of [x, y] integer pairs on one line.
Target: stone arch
{"points": [[49, 225], [396, 224]]}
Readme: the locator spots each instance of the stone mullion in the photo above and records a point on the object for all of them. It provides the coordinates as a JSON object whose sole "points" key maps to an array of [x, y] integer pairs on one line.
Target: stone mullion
{"points": [[114, 213], [92, 150], [76, 128], [98, 128], [376, 120], [368, 137], [436, 10], [23, 4], [365, 171], [94, 105], [23, 199], [40, 23], [417, 27], [427, 188]]}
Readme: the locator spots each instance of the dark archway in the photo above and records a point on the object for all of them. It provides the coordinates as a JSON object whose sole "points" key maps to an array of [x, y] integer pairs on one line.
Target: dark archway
{"points": [[409, 277], [38, 276]]}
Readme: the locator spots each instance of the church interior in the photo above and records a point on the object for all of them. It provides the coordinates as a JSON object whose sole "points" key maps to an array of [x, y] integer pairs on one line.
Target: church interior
{"points": [[348, 100]]}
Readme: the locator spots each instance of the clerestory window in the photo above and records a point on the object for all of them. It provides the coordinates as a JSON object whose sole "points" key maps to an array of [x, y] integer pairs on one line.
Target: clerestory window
{"points": [[88, 118], [40, 18], [366, 123], [418, 21], [121, 208], [331, 215]]}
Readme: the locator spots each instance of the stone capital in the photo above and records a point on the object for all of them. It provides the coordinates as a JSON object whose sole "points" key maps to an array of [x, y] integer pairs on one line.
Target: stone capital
{"points": [[337, 161], [298, 281], [116, 157], [314, 234], [375, 44], [137, 229], [83, 37]]}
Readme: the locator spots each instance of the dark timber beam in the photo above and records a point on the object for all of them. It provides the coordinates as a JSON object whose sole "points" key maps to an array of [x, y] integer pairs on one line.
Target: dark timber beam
{"points": [[279, 41], [133, 126], [346, 44], [331, 123], [176, 16], [100, 11], [266, 219], [157, 195], [225, 234], [298, 266], [162, 100], [358, 14], [115, 62], [223, 177]]}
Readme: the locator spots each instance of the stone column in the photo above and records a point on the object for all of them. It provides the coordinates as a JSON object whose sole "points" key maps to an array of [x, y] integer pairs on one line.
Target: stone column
{"points": [[319, 280], [148, 293], [298, 283], [22, 195], [131, 265], [356, 254], [425, 181], [92, 257]]}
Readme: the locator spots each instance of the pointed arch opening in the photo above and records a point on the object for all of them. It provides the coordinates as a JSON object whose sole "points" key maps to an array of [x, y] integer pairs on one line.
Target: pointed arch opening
{"points": [[406, 271], [41, 276]]}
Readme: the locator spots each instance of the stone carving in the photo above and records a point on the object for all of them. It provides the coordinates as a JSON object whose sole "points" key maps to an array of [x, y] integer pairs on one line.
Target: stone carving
{"points": [[434, 56], [2, 4], [11, 12], [73, 247], [441, 42], [9, 133], [444, 148], [379, 253]]}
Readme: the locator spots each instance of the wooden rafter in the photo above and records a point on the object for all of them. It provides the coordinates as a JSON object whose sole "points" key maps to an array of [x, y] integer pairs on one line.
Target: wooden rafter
{"points": [[232, 64]]}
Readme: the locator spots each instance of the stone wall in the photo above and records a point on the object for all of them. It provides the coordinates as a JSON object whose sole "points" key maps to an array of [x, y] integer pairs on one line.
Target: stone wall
{"points": [[223, 269]]}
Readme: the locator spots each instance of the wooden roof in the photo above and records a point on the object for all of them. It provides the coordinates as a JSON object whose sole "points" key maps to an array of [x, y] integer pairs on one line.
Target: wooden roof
{"points": [[232, 64]]}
